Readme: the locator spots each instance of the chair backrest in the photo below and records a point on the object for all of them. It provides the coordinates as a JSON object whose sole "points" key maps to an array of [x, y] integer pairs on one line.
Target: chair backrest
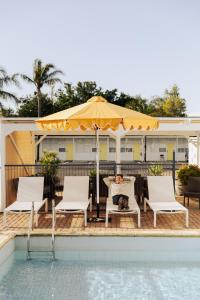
{"points": [[161, 189], [30, 189], [194, 184], [76, 188]]}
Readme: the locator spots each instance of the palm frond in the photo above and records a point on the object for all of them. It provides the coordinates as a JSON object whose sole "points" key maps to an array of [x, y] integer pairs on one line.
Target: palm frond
{"points": [[6, 95], [55, 73], [37, 62], [15, 79], [27, 78], [48, 67], [52, 81], [3, 72]]}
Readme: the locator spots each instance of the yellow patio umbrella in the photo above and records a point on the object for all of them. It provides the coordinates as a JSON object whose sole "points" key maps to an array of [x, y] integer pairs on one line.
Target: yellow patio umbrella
{"points": [[97, 114]]}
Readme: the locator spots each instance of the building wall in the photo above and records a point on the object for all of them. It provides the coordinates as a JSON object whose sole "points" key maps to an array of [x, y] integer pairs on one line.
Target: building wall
{"points": [[25, 145], [132, 148], [161, 148]]}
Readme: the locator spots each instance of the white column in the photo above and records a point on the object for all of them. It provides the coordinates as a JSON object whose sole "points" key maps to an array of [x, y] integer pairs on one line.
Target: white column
{"points": [[142, 146], [118, 152], [198, 141], [97, 164], [176, 149], [2, 169], [194, 150]]}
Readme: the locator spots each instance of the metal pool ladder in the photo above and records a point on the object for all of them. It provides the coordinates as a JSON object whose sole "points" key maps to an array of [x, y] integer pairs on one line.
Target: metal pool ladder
{"points": [[30, 230]]}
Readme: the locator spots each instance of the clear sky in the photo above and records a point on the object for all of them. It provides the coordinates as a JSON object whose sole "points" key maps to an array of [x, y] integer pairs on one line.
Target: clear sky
{"points": [[137, 46]]}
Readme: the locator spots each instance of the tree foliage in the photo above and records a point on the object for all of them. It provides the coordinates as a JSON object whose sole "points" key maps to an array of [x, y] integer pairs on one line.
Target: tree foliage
{"points": [[29, 106], [138, 103], [73, 95], [174, 105], [171, 105], [6, 112], [43, 74]]}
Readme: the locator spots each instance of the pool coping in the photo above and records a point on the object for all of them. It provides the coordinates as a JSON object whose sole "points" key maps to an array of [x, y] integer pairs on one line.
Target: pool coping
{"points": [[5, 238], [7, 235]]}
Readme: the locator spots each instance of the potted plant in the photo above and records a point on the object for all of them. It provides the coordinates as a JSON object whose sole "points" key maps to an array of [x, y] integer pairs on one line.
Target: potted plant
{"points": [[182, 177], [155, 170], [50, 163]]}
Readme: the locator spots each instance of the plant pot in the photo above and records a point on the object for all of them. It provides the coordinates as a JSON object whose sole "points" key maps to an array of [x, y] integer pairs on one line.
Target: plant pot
{"points": [[180, 188]]}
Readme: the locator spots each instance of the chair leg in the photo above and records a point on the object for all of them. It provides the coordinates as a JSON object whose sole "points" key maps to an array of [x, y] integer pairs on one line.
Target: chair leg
{"points": [[90, 205], [85, 216], [186, 219], [4, 219], [188, 202], [36, 219], [106, 218], [184, 201], [145, 205], [55, 221], [139, 222], [46, 206], [154, 219]]}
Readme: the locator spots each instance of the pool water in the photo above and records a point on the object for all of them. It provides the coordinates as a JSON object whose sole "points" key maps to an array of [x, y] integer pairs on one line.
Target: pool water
{"points": [[79, 280]]}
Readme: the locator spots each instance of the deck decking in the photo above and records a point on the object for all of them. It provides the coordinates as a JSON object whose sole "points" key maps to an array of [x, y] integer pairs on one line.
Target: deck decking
{"points": [[68, 224]]}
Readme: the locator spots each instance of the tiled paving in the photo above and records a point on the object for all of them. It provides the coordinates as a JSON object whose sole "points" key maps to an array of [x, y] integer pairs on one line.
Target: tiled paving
{"points": [[68, 224]]}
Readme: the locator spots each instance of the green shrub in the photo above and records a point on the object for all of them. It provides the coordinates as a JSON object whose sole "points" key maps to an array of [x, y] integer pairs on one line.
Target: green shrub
{"points": [[155, 170], [187, 170], [50, 163], [93, 172]]}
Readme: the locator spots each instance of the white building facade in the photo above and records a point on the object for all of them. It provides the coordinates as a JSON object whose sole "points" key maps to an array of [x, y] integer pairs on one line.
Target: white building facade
{"points": [[133, 148]]}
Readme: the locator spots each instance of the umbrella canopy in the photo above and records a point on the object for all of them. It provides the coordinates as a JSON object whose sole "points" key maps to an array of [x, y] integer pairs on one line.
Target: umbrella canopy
{"points": [[97, 112]]}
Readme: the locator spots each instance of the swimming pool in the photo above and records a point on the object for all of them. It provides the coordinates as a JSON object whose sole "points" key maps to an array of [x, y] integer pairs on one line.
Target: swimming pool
{"points": [[61, 279], [137, 273]]}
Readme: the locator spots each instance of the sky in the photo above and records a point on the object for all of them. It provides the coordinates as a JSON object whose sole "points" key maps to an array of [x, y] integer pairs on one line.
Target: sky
{"points": [[140, 47]]}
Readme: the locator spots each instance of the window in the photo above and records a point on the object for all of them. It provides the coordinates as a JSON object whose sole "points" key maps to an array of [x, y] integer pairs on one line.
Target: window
{"points": [[94, 149], [112, 149], [182, 150], [162, 149], [123, 149], [62, 150]]}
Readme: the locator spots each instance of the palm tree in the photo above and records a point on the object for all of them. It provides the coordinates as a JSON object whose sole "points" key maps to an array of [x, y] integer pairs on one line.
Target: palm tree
{"points": [[42, 75], [6, 80]]}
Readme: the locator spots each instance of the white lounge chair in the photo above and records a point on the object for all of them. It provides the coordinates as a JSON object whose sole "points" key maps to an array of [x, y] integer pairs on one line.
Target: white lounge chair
{"points": [[162, 199], [75, 196], [30, 189], [132, 203]]}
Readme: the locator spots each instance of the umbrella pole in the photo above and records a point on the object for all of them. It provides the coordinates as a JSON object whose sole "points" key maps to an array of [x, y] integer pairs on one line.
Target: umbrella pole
{"points": [[97, 218], [97, 170]]}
